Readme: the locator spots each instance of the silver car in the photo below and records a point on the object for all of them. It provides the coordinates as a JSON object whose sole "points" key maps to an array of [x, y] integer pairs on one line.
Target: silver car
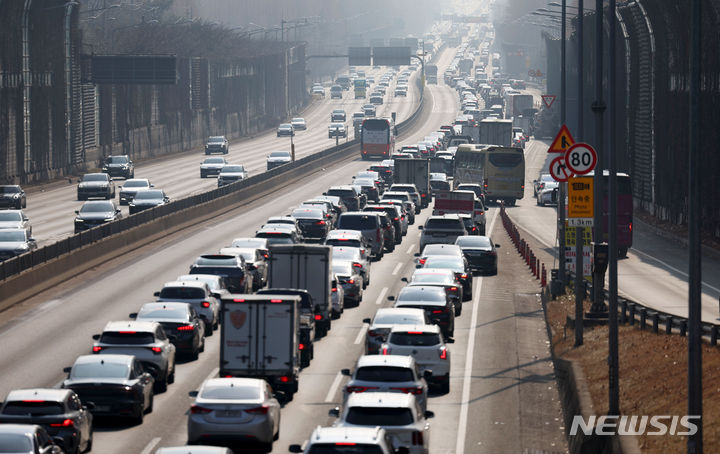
{"points": [[131, 187], [194, 450], [211, 166], [356, 257], [385, 319], [234, 408], [442, 229], [199, 295], [231, 173], [15, 219], [27, 439]]}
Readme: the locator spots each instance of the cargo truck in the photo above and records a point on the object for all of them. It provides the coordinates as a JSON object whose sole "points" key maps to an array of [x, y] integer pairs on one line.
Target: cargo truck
{"points": [[431, 74], [417, 172], [517, 104], [494, 131], [259, 339], [305, 266]]}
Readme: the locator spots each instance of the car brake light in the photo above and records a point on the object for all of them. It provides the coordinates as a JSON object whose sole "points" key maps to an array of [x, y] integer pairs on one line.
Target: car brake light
{"points": [[156, 349], [345, 444], [423, 195], [417, 390], [301, 346], [276, 301], [334, 289], [320, 222], [97, 349], [417, 438], [239, 300], [266, 255], [422, 261], [385, 351], [630, 227], [195, 409], [284, 379], [126, 332], [357, 265], [262, 410], [473, 229], [33, 400], [414, 332], [453, 289], [396, 219], [318, 317], [463, 276], [438, 311], [359, 389], [185, 328], [205, 304], [350, 281], [443, 353], [65, 423]]}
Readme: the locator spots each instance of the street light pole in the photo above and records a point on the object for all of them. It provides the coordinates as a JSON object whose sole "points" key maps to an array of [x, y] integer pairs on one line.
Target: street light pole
{"points": [[562, 187], [613, 360], [579, 238]]}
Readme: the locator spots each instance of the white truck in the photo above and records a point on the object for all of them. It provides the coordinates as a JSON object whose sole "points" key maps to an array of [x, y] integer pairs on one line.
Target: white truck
{"points": [[496, 132], [417, 172], [259, 338], [517, 104], [309, 267]]}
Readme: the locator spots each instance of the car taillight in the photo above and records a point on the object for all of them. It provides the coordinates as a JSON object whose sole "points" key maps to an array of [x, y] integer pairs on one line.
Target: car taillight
{"points": [[630, 227], [438, 311], [196, 410], [423, 195], [350, 281], [463, 276], [266, 255], [385, 351], [443, 352], [359, 389], [473, 229], [334, 289], [301, 346], [372, 333], [318, 317], [205, 304], [417, 438], [357, 265], [320, 222], [422, 261], [284, 379], [262, 410], [453, 289], [396, 219], [185, 328], [345, 444], [65, 423], [97, 349], [156, 349], [414, 390]]}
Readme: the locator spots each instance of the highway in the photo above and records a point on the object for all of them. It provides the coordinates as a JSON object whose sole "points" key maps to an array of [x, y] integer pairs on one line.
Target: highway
{"points": [[502, 397]]}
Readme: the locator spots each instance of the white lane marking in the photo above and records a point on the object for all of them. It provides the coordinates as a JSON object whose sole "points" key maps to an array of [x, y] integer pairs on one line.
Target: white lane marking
{"points": [[361, 334], [213, 374], [465, 402], [672, 267], [381, 296], [150, 446], [333, 388], [410, 249], [397, 268]]}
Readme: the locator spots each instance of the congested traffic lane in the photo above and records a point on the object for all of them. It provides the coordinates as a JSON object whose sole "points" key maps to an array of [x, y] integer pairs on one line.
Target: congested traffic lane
{"points": [[51, 207], [655, 271]]}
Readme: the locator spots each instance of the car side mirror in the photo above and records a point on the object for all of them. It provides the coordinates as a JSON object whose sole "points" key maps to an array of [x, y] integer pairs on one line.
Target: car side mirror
{"points": [[216, 295], [117, 211], [152, 185], [281, 397], [77, 212], [418, 266], [497, 245], [534, 181], [334, 412], [345, 372], [67, 369], [156, 293], [427, 374], [366, 320], [32, 240], [429, 414], [391, 298], [193, 394], [96, 337], [295, 448], [420, 227]]}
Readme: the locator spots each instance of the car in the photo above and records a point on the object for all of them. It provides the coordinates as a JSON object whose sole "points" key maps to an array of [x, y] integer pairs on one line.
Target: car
{"points": [[385, 172], [437, 304], [357, 119], [349, 440], [231, 173], [15, 219], [348, 196], [348, 238], [95, 185], [58, 411], [337, 130], [234, 409], [212, 166], [425, 343], [451, 250], [94, 213], [369, 224], [307, 320], [119, 166], [12, 196], [217, 283], [256, 260], [336, 92], [398, 413], [147, 341], [443, 278], [198, 295], [442, 229], [417, 198], [387, 373], [337, 298], [439, 182], [285, 129], [148, 198], [369, 110], [376, 99], [400, 212], [217, 144], [351, 280], [384, 319], [231, 267], [27, 439], [319, 90], [459, 266], [338, 206], [480, 253], [471, 227], [313, 222], [357, 257], [194, 449], [388, 228], [394, 213], [118, 385], [406, 198], [330, 211], [14, 242], [250, 242], [298, 123], [278, 234], [540, 182], [183, 326], [131, 187], [338, 116], [277, 159], [401, 90], [547, 193], [476, 188]]}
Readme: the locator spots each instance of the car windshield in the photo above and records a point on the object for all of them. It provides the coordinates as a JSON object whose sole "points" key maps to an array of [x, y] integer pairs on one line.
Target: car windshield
{"points": [[183, 293], [117, 160], [95, 177], [33, 408], [342, 253], [228, 168], [391, 318], [97, 208], [430, 278], [422, 294], [279, 154], [342, 268], [384, 374], [163, 312], [12, 236], [304, 213], [379, 416], [404, 196], [443, 224], [418, 339], [8, 217], [127, 338], [148, 195], [230, 392], [9, 190], [214, 161], [216, 140], [100, 369], [15, 443], [340, 448], [444, 262], [479, 242], [136, 184], [357, 222]]}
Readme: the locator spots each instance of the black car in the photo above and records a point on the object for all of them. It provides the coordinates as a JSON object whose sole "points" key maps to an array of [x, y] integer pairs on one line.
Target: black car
{"points": [[12, 196], [307, 320], [183, 326], [217, 144], [385, 172], [96, 185], [480, 253], [118, 385], [15, 242], [95, 213], [119, 166], [313, 222], [393, 214], [59, 411], [436, 303], [148, 198], [231, 267], [348, 195]]}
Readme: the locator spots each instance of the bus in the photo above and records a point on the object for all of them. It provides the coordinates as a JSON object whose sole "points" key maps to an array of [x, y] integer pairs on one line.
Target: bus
{"points": [[360, 87], [504, 174], [469, 164], [377, 138], [624, 204]]}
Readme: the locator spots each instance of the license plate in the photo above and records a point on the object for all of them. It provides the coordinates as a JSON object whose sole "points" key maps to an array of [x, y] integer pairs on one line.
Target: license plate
{"points": [[229, 413], [102, 408]]}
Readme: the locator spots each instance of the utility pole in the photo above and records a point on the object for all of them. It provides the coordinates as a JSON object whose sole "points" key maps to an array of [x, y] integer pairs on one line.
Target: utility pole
{"points": [[562, 188], [613, 360], [579, 239]]}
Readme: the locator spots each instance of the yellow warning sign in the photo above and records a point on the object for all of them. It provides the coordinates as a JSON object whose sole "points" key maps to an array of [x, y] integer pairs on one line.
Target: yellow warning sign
{"points": [[563, 141]]}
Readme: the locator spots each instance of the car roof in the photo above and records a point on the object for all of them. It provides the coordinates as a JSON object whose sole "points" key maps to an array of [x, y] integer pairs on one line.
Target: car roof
{"points": [[234, 381], [342, 187], [19, 429], [198, 449], [444, 216], [426, 271], [46, 394], [380, 399], [427, 250], [111, 358], [238, 250], [166, 304], [196, 284], [434, 329], [277, 228], [385, 360], [400, 311], [356, 434], [345, 234], [131, 325], [198, 277]]}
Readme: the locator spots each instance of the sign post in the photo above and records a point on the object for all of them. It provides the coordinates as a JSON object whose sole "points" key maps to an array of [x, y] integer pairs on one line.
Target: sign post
{"points": [[563, 140]]}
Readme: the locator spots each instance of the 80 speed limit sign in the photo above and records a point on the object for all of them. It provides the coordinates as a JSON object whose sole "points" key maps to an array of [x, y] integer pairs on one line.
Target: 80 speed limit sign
{"points": [[581, 158]]}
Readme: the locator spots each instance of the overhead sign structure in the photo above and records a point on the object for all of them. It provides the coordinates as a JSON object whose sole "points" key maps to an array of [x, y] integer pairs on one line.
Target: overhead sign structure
{"points": [[391, 56], [559, 171], [581, 158], [580, 202], [359, 56], [563, 140], [548, 100]]}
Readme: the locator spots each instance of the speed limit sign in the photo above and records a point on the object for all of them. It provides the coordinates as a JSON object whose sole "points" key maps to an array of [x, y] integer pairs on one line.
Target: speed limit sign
{"points": [[581, 158]]}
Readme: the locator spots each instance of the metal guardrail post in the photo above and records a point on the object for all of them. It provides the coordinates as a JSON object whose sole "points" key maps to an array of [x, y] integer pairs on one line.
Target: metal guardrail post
{"points": [[632, 314], [643, 316], [683, 328], [668, 324], [655, 319], [713, 335]]}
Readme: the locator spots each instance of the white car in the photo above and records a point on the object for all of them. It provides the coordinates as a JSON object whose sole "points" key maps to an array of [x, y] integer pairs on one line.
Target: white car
{"points": [[358, 439], [298, 123], [131, 187], [199, 295], [337, 297], [277, 159], [547, 193], [234, 408], [211, 166], [425, 343], [358, 259], [442, 229], [231, 173], [147, 341], [385, 319], [15, 219], [398, 413]]}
